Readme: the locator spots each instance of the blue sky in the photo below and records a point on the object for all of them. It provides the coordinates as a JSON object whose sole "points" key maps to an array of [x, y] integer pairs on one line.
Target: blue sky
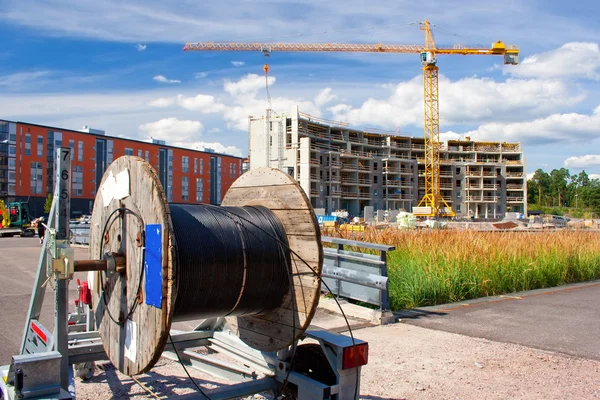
{"points": [[118, 66]]}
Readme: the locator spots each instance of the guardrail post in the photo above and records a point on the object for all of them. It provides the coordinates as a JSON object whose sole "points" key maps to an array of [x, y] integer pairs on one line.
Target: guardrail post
{"points": [[338, 283], [384, 296]]}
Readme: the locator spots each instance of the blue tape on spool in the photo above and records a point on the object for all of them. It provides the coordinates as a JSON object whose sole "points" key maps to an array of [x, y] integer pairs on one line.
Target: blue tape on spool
{"points": [[153, 265]]}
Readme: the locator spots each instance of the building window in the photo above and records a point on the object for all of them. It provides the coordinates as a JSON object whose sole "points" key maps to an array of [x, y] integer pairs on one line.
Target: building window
{"points": [[40, 146], [375, 166], [147, 156], [199, 190], [12, 150], [72, 146], [201, 166], [27, 138], [230, 170], [80, 151], [184, 188], [457, 171], [195, 165], [139, 153], [235, 170], [375, 179], [185, 164], [128, 152]]}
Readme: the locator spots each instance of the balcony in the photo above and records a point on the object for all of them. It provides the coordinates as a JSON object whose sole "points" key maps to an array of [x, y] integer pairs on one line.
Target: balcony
{"points": [[333, 179], [348, 167], [315, 192], [474, 173], [395, 196], [514, 162], [514, 186], [334, 164], [511, 148], [514, 174], [364, 182], [349, 180], [349, 195], [335, 193], [315, 177], [315, 161], [347, 154], [481, 199], [511, 199], [490, 174], [392, 182], [362, 167], [417, 147], [364, 195], [400, 145]]}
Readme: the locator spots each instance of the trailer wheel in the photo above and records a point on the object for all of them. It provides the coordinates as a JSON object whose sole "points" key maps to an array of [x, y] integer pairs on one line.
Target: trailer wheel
{"points": [[310, 360]]}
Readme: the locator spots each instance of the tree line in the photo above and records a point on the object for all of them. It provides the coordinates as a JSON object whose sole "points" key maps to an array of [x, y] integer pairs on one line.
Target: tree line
{"points": [[559, 189]]}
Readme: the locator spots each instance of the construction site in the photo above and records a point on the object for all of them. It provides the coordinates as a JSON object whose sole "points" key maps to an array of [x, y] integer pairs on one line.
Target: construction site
{"points": [[245, 293], [341, 168]]}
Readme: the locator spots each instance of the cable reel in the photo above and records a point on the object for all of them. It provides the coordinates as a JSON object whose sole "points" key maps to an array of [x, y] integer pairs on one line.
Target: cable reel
{"points": [[173, 262]]}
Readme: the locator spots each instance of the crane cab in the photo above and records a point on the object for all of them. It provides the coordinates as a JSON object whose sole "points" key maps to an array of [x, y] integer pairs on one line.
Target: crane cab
{"points": [[428, 58]]}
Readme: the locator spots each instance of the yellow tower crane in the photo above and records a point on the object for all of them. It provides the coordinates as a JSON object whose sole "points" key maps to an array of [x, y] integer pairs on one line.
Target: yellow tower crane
{"points": [[432, 203]]}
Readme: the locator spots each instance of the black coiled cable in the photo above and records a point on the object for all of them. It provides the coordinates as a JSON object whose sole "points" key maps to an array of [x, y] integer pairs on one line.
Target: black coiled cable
{"points": [[227, 267]]}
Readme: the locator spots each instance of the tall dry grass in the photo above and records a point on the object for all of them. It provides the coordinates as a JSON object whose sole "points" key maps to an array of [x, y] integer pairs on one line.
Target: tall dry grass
{"points": [[439, 266]]}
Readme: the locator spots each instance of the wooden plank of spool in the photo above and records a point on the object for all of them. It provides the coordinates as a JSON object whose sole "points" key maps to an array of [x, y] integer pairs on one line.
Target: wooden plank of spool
{"points": [[135, 346], [277, 191]]}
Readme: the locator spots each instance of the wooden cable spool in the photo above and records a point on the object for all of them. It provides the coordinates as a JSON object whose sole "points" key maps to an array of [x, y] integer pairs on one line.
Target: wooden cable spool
{"points": [[136, 344]]}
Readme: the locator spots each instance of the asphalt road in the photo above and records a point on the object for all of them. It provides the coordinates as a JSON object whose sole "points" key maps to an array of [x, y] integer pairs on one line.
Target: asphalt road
{"points": [[565, 319], [18, 267]]}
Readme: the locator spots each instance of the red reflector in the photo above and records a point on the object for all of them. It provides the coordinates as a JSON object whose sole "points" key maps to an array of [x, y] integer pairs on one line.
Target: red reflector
{"points": [[71, 323], [39, 332], [355, 356]]}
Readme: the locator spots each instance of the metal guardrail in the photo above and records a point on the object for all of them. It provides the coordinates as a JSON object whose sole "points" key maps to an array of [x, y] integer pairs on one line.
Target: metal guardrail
{"points": [[80, 234], [356, 275], [348, 274]]}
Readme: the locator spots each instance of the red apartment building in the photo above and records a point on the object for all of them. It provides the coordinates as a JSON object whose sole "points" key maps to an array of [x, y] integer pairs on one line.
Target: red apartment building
{"points": [[27, 165]]}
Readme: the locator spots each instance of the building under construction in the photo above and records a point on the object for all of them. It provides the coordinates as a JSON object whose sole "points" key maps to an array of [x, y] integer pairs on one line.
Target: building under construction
{"points": [[344, 168]]}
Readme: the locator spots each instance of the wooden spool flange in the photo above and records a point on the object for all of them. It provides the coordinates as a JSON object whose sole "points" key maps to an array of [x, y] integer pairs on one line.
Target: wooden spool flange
{"points": [[136, 345]]}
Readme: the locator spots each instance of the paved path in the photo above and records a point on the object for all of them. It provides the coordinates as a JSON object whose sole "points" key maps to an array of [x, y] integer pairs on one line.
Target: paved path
{"points": [[564, 319], [18, 267]]}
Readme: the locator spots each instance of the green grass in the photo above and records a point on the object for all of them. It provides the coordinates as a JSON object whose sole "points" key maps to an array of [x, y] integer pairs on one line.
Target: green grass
{"points": [[436, 267]]}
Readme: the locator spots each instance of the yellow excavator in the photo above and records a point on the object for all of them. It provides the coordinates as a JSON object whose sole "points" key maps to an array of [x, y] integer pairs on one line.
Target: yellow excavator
{"points": [[4, 215], [16, 219]]}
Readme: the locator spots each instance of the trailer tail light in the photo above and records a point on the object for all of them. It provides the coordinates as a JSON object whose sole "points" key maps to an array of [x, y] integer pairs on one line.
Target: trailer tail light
{"points": [[355, 356]]}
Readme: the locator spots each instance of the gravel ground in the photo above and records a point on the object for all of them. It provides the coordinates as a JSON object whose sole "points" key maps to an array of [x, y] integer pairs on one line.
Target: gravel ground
{"points": [[408, 362]]}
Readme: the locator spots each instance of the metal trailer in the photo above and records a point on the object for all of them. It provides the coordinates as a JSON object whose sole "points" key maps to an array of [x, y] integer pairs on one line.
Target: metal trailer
{"points": [[321, 365]]}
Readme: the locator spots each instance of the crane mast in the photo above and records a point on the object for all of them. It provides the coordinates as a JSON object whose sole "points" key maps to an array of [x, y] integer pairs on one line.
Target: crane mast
{"points": [[432, 203]]}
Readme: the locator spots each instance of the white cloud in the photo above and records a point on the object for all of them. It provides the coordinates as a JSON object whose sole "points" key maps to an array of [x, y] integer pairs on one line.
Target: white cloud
{"points": [[19, 78], [325, 96], [214, 130], [572, 60], [247, 85], [465, 101], [184, 133], [202, 102], [530, 175], [172, 130], [200, 75], [238, 63], [163, 79], [140, 47], [555, 128], [218, 147], [162, 102], [594, 176], [583, 161]]}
